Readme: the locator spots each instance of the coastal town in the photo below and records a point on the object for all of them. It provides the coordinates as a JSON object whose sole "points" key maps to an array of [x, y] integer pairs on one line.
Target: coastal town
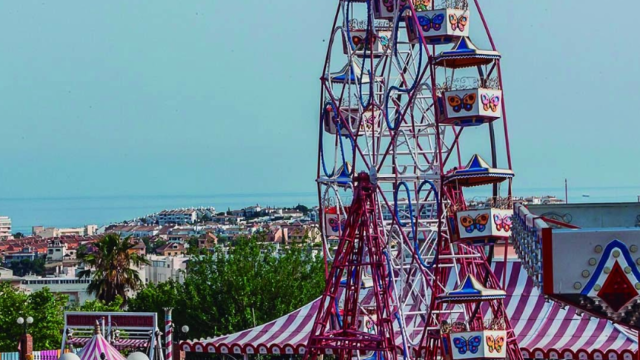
{"points": [[48, 256]]}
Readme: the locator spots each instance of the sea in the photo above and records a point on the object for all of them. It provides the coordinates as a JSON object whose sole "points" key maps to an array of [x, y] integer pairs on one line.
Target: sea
{"points": [[103, 210]]}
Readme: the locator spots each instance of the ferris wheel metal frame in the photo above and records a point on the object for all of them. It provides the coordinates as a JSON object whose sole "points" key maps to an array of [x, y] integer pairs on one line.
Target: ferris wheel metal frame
{"points": [[383, 107]]}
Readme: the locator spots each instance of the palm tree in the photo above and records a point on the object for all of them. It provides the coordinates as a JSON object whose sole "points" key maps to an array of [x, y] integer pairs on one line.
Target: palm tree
{"points": [[112, 267]]}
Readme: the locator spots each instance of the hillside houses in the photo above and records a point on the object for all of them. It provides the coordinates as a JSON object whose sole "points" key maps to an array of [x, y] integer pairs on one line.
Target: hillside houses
{"points": [[168, 239]]}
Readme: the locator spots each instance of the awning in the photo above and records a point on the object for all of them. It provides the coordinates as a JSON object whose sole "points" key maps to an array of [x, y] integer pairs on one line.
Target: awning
{"points": [[119, 344], [544, 329], [471, 290], [478, 172], [465, 54]]}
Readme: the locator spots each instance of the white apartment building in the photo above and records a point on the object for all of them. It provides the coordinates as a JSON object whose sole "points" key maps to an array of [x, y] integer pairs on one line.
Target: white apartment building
{"points": [[137, 231], [45, 233], [163, 268], [6, 273], [178, 217], [5, 228], [252, 210], [58, 251], [75, 288]]}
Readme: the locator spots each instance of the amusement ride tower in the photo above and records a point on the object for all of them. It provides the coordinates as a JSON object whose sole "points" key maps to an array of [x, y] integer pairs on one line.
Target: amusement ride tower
{"points": [[408, 257]]}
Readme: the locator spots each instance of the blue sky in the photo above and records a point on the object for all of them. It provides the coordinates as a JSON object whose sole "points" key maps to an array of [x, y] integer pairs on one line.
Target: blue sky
{"points": [[208, 97]]}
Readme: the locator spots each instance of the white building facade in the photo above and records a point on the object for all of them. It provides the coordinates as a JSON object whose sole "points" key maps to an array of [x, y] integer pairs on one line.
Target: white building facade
{"points": [[75, 288], [178, 217], [5, 228], [164, 268]]}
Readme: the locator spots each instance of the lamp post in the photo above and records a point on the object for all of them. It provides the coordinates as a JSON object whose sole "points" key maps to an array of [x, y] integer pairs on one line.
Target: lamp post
{"points": [[182, 335], [26, 342], [26, 322], [185, 330]]}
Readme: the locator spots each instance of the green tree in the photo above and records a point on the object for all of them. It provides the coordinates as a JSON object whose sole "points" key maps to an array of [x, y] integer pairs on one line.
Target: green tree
{"points": [[12, 305], [18, 235], [224, 292], [99, 305], [112, 267], [82, 249], [147, 244], [154, 298], [158, 243], [27, 266], [193, 242], [303, 209], [45, 307]]}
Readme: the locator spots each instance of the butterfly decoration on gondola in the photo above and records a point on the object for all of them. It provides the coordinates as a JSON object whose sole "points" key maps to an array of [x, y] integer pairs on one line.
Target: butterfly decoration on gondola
{"points": [[421, 5], [427, 23], [471, 224], [472, 344], [458, 22], [503, 222], [335, 225], [466, 102], [389, 4], [495, 343], [490, 102], [359, 43]]}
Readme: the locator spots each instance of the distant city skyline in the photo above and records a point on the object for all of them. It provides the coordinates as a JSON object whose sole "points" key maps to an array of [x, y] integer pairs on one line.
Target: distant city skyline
{"points": [[215, 97]]}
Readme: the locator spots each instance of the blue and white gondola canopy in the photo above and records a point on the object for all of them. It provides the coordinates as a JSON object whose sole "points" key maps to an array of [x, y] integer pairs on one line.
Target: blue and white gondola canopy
{"points": [[472, 291], [478, 172], [465, 54]]}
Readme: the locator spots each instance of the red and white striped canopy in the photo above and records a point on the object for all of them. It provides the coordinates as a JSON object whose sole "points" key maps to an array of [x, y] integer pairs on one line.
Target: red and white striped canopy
{"points": [[544, 329], [98, 345], [119, 344]]}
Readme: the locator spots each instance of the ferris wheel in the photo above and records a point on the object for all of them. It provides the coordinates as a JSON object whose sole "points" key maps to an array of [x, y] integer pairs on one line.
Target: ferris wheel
{"points": [[401, 82]]}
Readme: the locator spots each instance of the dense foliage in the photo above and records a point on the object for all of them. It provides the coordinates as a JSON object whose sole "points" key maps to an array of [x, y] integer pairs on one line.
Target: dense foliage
{"points": [[43, 306], [248, 286], [25, 267], [46, 309], [112, 267], [222, 293]]}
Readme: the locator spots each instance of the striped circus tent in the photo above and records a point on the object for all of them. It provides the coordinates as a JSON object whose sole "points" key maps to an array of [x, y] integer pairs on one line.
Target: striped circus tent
{"points": [[98, 346], [121, 344], [544, 329]]}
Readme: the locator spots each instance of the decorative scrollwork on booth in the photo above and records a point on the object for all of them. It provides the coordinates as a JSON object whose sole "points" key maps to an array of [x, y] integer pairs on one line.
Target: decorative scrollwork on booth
{"points": [[565, 218], [355, 24], [460, 83], [500, 202], [491, 83], [497, 202], [468, 83], [495, 324], [452, 4]]}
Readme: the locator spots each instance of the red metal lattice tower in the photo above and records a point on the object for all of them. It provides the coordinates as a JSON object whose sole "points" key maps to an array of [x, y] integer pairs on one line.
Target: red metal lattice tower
{"points": [[480, 269], [360, 251]]}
